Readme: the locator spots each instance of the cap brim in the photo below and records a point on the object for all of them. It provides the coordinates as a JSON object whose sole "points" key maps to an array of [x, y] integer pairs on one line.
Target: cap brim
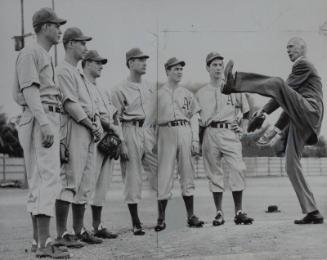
{"points": [[140, 57], [180, 62], [102, 60], [60, 21], [83, 38]]}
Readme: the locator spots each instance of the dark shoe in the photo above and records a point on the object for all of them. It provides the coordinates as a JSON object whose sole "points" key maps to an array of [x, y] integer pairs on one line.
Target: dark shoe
{"points": [[52, 251], [311, 218], [161, 225], [68, 240], [242, 218], [194, 222], [102, 232], [230, 81], [219, 219], [87, 237], [138, 229]]}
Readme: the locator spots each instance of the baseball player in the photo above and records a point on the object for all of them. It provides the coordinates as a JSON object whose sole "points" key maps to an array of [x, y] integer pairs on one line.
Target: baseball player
{"points": [[134, 99], [79, 133], [37, 92], [92, 65], [178, 137], [220, 118], [301, 98]]}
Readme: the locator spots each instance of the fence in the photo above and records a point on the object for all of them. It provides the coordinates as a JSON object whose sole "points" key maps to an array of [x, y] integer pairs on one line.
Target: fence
{"points": [[13, 168]]}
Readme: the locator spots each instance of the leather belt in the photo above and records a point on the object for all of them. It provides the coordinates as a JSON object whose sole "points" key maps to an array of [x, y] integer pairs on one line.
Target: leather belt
{"points": [[50, 108], [176, 123], [220, 125], [138, 123]]}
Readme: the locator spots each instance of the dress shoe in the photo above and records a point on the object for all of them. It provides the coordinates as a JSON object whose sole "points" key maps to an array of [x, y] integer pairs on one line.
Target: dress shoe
{"points": [[311, 218]]}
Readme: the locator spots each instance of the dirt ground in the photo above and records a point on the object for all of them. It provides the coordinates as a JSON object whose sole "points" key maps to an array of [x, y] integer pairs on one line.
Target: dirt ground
{"points": [[272, 236]]}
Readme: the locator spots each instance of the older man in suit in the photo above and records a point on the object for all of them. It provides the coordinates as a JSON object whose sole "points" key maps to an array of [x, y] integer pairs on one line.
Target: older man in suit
{"points": [[301, 98]]}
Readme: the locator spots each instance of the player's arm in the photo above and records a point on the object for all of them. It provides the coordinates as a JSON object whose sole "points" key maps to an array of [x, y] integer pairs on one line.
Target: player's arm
{"points": [[71, 105], [28, 78]]}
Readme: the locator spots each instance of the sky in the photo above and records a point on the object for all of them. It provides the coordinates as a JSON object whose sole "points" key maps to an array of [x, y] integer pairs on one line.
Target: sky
{"points": [[253, 33]]}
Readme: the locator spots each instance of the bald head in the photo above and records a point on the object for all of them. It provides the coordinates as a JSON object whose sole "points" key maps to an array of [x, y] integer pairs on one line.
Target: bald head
{"points": [[296, 47]]}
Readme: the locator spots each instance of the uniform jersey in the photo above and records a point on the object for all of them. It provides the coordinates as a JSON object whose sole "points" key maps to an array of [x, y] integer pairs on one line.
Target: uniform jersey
{"points": [[104, 103], [76, 89], [135, 101], [217, 107], [34, 66], [176, 104]]}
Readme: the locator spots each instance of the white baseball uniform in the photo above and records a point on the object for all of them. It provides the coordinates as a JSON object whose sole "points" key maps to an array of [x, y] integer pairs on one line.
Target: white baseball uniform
{"points": [[103, 165], [218, 112], [175, 109], [135, 103], [34, 67], [77, 174]]}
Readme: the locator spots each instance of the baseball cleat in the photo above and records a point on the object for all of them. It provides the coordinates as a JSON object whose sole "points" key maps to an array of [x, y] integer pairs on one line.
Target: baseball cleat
{"points": [[219, 219], [138, 230], [194, 222], [102, 232], [230, 80], [242, 218], [52, 251], [68, 240], [311, 218], [161, 225], [87, 237]]}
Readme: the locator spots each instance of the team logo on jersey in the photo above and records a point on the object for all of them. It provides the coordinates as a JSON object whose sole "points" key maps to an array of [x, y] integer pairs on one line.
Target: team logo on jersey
{"points": [[187, 103]]}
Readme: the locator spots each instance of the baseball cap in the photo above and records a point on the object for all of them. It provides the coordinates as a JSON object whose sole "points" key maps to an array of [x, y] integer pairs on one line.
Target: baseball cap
{"points": [[135, 53], [173, 62], [213, 55], [93, 55], [46, 15], [74, 34]]}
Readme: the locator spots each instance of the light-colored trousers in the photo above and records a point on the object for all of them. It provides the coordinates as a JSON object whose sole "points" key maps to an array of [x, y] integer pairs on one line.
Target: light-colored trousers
{"points": [[77, 174], [175, 143], [42, 164], [218, 144], [139, 142]]}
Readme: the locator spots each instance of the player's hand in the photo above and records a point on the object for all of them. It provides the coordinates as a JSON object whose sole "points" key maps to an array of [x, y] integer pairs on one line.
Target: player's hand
{"points": [[195, 148], [238, 130], [124, 152], [155, 148], [97, 132], [115, 129], [47, 136]]}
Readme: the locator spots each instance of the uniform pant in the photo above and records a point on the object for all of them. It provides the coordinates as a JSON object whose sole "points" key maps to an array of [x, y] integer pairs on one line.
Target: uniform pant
{"points": [[42, 164], [175, 143], [139, 142], [303, 113], [76, 175], [102, 178], [218, 144]]}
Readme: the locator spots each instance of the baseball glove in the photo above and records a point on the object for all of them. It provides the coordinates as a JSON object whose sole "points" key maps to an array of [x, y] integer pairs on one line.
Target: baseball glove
{"points": [[110, 145], [256, 121]]}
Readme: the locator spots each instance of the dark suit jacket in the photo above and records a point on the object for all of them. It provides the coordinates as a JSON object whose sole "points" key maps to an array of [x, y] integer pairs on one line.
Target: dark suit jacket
{"points": [[305, 80]]}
